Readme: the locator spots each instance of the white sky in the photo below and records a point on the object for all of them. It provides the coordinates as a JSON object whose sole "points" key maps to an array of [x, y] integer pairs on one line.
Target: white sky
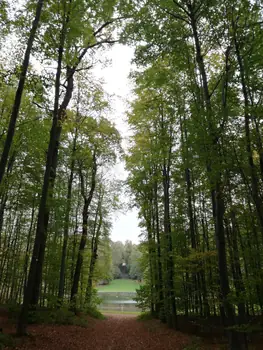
{"points": [[115, 76]]}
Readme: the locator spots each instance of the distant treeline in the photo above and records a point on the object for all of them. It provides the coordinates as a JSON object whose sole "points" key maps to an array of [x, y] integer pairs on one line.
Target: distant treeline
{"points": [[126, 260]]}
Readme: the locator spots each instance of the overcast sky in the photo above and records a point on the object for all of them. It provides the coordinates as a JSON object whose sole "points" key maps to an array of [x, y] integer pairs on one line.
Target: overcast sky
{"points": [[115, 76]]}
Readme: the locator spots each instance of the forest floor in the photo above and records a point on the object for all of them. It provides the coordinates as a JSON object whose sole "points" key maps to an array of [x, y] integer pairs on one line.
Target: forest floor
{"points": [[116, 332]]}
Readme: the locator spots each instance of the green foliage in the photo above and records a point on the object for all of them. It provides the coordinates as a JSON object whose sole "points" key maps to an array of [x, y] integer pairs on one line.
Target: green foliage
{"points": [[247, 328], [143, 298], [135, 271], [129, 254], [94, 312], [145, 316], [61, 316], [95, 299]]}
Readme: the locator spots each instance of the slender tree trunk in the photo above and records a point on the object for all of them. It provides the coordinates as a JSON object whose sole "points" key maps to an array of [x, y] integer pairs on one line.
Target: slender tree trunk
{"points": [[40, 238], [19, 91], [172, 314], [74, 246], [148, 219], [87, 201], [253, 173], [66, 224], [52, 177], [28, 244], [159, 254], [94, 251], [5, 194]]}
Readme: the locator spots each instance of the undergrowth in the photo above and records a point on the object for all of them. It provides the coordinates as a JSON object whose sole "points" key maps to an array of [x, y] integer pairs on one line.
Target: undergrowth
{"points": [[56, 316], [145, 316], [95, 313], [62, 316], [195, 344]]}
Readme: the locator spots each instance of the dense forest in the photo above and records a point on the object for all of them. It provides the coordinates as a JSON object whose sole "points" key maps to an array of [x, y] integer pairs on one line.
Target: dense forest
{"points": [[194, 161]]}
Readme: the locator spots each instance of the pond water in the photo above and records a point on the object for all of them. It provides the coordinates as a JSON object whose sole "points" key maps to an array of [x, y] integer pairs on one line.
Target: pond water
{"points": [[118, 301]]}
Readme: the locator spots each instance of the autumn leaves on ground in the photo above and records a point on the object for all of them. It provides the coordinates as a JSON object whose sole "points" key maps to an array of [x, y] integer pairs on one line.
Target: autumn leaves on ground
{"points": [[115, 332]]}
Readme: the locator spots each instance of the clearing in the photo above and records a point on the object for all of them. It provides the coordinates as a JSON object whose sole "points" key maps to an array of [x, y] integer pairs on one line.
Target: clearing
{"points": [[120, 285]]}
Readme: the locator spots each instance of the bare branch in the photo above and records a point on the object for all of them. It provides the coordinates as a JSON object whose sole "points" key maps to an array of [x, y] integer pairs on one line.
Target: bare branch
{"points": [[84, 68]]}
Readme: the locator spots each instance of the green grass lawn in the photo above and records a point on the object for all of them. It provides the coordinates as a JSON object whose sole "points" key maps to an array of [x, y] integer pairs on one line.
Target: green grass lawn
{"points": [[121, 285]]}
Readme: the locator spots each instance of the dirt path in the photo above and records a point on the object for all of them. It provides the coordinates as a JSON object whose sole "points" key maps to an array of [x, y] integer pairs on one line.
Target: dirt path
{"points": [[117, 332]]}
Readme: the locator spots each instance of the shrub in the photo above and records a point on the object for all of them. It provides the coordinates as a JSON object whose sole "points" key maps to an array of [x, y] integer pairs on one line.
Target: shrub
{"points": [[95, 299], [95, 313], [61, 316], [145, 316], [143, 298]]}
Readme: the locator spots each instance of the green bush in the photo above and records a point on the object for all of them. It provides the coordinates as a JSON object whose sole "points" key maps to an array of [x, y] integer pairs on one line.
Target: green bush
{"points": [[145, 316], [143, 298], [61, 316], [95, 313], [95, 299]]}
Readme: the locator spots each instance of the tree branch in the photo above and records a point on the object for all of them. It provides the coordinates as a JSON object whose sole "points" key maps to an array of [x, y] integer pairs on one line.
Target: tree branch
{"points": [[182, 8], [174, 15]]}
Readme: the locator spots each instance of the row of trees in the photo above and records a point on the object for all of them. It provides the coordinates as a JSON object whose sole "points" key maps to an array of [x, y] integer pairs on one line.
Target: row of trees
{"points": [[57, 147], [196, 160]]}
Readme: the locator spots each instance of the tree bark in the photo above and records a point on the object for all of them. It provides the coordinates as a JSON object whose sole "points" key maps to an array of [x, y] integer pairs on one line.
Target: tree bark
{"points": [[94, 250], [171, 312], [87, 201], [66, 224]]}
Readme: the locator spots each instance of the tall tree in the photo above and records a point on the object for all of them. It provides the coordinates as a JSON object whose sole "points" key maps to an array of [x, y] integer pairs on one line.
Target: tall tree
{"points": [[20, 90]]}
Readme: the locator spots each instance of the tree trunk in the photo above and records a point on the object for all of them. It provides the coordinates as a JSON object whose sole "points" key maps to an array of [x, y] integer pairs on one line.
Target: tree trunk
{"points": [[253, 173], [40, 238], [159, 254], [87, 201], [216, 192], [19, 91], [52, 177], [94, 251], [66, 224], [172, 314]]}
